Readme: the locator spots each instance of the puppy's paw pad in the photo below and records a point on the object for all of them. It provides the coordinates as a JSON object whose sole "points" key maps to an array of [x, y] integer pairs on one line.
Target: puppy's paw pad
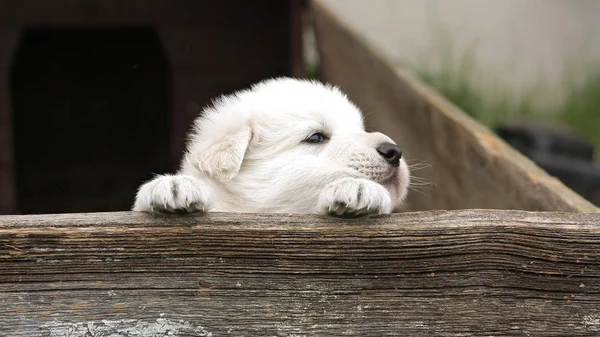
{"points": [[351, 197], [172, 194]]}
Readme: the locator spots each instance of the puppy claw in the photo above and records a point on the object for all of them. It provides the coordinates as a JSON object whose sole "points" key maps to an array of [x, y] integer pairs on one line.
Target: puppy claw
{"points": [[176, 194], [350, 197]]}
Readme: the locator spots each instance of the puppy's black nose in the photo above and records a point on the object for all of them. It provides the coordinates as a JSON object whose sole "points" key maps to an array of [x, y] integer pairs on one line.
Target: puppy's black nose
{"points": [[390, 152]]}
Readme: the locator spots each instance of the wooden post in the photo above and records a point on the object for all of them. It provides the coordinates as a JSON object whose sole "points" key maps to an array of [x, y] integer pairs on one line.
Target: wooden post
{"points": [[437, 273]]}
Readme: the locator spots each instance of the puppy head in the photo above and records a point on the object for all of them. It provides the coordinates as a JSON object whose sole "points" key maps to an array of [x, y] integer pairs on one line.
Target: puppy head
{"points": [[274, 146]]}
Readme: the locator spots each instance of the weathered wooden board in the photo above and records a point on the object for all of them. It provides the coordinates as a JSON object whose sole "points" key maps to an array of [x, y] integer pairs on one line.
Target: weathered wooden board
{"points": [[438, 273], [470, 166]]}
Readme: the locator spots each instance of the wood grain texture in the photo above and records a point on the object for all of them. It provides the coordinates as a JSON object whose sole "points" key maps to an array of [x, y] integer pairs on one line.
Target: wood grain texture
{"points": [[437, 273], [467, 165]]}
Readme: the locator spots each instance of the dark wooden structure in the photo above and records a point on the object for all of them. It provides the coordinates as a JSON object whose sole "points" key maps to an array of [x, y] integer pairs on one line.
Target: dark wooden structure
{"points": [[97, 95], [436, 273]]}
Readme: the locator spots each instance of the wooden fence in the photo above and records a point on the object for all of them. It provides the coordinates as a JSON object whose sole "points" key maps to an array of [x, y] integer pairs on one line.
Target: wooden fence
{"points": [[434, 273]]}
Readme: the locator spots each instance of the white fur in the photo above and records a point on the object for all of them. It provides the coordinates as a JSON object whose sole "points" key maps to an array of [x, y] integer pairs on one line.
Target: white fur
{"points": [[247, 153]]}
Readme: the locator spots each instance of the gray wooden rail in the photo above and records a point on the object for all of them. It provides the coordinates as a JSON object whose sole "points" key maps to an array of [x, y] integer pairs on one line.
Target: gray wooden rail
{"points": [[436, 273]]}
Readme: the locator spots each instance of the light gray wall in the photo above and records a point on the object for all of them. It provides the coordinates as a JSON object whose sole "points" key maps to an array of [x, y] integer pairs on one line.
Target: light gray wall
{"points": [[517, 43]]}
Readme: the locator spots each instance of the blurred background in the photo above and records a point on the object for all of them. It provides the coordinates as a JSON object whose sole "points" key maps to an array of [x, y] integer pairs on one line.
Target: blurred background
{"points": [[96, 96], [529, 70], [496, 59]]}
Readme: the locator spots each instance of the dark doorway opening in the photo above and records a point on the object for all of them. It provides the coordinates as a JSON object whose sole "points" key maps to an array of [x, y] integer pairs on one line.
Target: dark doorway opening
{"points": [[91, 117]]}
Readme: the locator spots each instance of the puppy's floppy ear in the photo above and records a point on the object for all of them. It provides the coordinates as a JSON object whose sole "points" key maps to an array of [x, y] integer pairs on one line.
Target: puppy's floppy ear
{"points": [[218, 143], [224, 157]]}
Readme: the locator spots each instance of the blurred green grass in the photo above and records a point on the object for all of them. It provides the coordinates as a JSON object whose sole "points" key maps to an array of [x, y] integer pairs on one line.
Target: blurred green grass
{"points": [[459, 77], [581, 110]]}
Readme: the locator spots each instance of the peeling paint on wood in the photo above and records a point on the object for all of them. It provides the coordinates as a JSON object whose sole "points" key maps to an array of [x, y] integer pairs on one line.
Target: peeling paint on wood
{"points": [[124, 328]]}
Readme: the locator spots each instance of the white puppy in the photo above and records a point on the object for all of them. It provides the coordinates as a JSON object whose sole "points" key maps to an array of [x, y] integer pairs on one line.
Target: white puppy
{"points": [[282, 146]]}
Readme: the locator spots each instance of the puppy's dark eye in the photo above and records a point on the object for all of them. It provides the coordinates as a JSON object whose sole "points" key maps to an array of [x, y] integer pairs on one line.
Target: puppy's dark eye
{"points": [[316, 138]]}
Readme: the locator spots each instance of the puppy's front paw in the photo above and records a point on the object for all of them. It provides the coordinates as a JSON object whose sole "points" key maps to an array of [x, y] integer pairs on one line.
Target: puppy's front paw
{"points": [[350, 197], [172, 194]]}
